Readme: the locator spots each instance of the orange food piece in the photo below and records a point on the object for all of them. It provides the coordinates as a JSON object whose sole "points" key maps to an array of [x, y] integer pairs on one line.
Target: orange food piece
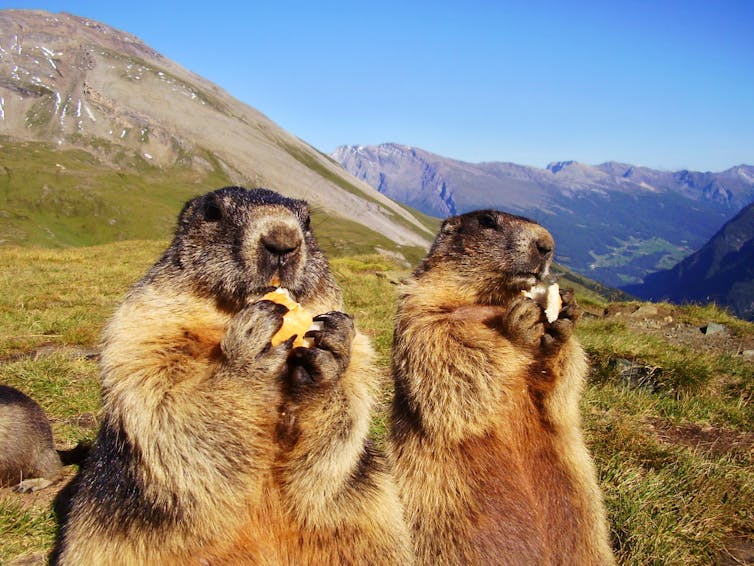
{"points": [[297, 321]]}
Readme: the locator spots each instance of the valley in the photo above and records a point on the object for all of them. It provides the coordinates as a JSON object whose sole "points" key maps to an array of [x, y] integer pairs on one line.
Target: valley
{"points": [[614, 222]]}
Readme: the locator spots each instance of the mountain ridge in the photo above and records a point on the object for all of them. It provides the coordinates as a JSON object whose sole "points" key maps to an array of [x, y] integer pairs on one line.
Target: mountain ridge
{"points": [[83, 85], [722, 271], [614, 222]]}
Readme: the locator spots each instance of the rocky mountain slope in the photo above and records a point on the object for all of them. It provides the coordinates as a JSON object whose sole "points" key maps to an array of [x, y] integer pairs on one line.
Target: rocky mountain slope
{"points": [[70, 85], [721, 271], [614, 222]]}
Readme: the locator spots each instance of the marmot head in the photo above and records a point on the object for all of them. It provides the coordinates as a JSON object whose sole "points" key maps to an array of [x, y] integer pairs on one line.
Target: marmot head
{"points": [[491, 254], [234, 243]]}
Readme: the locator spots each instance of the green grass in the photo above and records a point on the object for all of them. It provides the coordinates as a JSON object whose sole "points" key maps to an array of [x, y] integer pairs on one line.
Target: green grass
{"points": [[627, 251], [22, 530], [63, 296], [340, 237], [679, 371], [668, 502], [57, 198], [62, 198], [671, 503]]}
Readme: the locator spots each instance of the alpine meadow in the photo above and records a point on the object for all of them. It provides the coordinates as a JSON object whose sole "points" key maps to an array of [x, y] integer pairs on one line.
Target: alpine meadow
{"points": [[103, 140]]}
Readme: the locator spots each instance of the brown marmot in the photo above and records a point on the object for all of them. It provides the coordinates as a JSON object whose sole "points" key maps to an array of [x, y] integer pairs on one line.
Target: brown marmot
{"points": [[28, 459], [217, 447], [486, 437]]}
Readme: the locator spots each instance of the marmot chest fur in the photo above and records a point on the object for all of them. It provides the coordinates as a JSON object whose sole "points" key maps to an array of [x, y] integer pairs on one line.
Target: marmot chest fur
{"points": [[486, 436], [217, 447]]}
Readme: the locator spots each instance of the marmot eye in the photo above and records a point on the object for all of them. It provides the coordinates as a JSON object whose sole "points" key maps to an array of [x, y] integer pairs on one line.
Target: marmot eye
{"points": [[487, 221], [212, 212]]}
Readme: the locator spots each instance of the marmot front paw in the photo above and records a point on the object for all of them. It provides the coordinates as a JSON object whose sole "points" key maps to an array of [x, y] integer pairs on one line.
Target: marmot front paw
{"points": [[561, 329], [247, 338], [330, 353], [524, 322]]}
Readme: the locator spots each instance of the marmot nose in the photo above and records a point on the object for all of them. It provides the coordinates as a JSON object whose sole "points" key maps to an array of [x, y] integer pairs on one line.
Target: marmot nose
{"points": [[280, 246]]}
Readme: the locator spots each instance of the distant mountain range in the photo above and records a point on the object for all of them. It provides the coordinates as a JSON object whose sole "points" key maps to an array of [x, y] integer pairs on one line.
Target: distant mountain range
{"points": [[614, 222], [103, 138], [722, 271]]}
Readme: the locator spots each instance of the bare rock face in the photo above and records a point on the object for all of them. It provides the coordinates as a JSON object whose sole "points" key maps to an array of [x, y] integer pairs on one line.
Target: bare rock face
{"points": [[77, 83], [52, 69]]}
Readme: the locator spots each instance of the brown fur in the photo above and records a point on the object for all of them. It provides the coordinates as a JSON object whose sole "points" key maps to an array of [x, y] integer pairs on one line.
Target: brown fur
{"points": [[216, 447], [486, 435], [28, 459]]}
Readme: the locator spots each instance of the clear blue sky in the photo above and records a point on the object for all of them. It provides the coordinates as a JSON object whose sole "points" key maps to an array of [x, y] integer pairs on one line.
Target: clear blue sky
{"points": [[666, 84]]}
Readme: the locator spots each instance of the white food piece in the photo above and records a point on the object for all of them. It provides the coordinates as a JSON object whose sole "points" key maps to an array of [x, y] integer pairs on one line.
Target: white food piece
{"points": [[553, 302], [548, 296]]}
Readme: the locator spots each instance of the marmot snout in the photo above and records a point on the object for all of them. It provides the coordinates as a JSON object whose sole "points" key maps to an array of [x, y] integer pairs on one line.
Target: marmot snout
{"points": [[499, 254], [233, 244]]}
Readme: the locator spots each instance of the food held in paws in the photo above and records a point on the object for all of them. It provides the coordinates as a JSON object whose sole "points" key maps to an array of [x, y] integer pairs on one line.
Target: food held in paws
{"points": [[548, 296], [297, 321]]}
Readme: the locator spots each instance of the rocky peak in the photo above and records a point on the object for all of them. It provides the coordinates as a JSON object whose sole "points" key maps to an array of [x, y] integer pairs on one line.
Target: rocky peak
{"points": [[558, 166], [403, 173]]}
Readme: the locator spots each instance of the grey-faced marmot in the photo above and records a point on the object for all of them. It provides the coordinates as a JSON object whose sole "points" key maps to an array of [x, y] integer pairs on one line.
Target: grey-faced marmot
{"points": [[486, 436], [217, 447], [28, 459]]}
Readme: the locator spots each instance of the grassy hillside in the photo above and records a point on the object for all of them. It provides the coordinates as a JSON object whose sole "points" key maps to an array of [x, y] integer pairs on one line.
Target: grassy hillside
{"points": [[674, 449], [61, 198], [57, 198]]}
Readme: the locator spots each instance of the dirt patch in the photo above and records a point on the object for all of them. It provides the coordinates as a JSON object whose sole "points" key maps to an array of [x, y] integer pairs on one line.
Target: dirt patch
{"points": [[86, 421], [738, 551], [707, 439]]}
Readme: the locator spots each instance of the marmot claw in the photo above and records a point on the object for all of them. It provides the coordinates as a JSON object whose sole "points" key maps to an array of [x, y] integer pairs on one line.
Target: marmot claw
{"points": [[330, 354], [570, 309], [336, 333]]}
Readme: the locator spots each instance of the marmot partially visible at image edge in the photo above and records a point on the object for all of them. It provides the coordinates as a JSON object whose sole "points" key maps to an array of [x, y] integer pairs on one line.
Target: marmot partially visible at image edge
{"points": [[28, 459], [216, 447], [486, 434]]}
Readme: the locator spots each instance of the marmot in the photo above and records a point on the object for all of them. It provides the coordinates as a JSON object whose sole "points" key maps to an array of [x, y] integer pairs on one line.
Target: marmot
{"points": [[28, 459], [217, 447], [486, 437]]}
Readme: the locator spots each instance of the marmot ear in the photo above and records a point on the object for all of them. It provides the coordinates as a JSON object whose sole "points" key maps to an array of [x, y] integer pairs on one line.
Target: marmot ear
{"points": [[450, 225], [305, 215], [487, 220], [213, 209]]}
